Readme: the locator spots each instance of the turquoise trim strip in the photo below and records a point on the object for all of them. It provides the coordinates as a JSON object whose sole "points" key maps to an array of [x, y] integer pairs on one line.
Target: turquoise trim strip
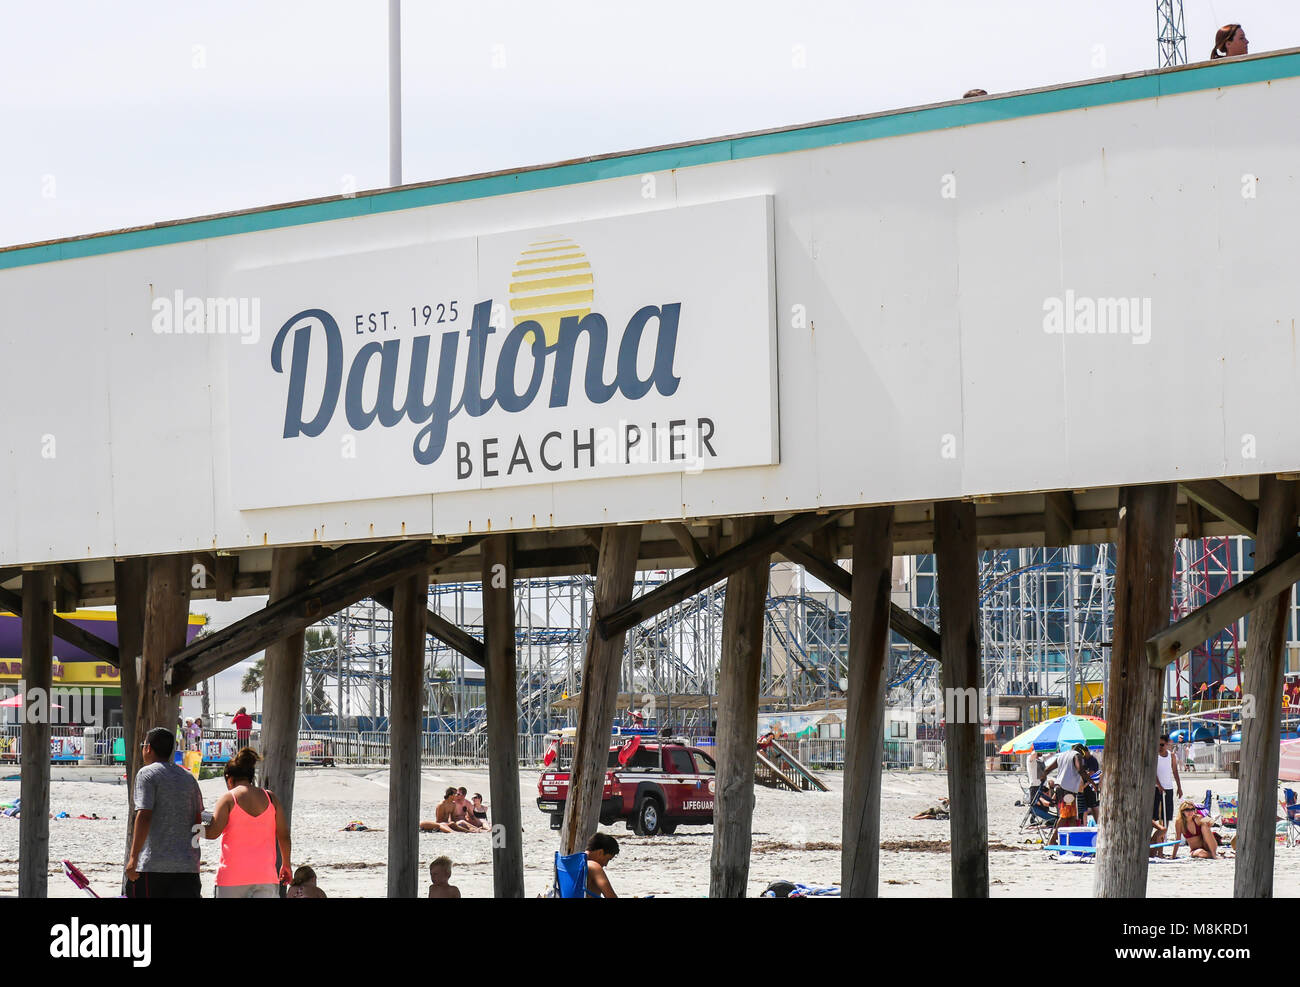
{"points": [[1057, 100]]}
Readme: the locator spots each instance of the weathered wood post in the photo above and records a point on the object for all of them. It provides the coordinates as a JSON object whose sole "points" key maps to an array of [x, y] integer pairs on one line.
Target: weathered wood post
{"points": [[502, 716], [166, 623], [130, 580], [34, 770], [619, 545], [166, 608], [1143, 587], [1262, 689], [410, 601], [737, 739], [957, 559], [873, 558], [282, 684]]}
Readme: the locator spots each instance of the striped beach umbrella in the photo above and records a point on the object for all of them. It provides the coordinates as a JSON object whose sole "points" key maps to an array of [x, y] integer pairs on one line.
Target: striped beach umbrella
{"points": [[1288, 768], [1058, 734]]}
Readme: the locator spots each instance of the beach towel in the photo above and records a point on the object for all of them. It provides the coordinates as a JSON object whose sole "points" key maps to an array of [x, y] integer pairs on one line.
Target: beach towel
{"points": [[357, 826]]}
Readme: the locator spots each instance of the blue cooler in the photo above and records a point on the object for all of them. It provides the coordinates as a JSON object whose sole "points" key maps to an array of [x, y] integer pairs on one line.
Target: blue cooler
{"points": [[1083, 838]]}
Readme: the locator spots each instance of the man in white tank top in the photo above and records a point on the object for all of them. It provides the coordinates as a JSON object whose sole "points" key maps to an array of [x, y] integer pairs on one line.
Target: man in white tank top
{"points": [[1167, 780]]}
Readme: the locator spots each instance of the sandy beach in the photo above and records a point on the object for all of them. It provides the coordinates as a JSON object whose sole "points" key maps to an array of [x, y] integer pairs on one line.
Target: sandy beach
{"points": [[796, 837]]}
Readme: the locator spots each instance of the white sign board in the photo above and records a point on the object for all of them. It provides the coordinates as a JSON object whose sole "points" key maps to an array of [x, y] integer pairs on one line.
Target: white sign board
{"points": [[613, 347]]}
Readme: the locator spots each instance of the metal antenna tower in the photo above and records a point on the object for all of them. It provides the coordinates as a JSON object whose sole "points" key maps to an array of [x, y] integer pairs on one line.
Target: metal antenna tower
{"points": [[1171, 38]]}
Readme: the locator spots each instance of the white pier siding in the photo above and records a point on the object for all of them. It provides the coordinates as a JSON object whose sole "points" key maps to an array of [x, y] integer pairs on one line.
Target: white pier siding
{"points": [[923, 318]]}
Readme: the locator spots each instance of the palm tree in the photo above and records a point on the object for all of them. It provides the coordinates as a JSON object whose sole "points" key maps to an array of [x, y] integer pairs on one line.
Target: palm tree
{"points": [[252, 680], [317, 701]]}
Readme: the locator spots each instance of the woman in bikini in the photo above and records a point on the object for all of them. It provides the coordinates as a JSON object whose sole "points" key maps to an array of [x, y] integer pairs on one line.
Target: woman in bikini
{"points": [[1195, 829]]}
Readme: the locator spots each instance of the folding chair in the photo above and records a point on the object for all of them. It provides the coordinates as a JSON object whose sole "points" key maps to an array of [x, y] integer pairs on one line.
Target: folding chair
{"points": [[571, 876], [1291, 806]]}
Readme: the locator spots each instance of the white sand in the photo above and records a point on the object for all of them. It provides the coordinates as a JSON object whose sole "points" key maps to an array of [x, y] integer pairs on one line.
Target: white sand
{"points": [[796, 837]]}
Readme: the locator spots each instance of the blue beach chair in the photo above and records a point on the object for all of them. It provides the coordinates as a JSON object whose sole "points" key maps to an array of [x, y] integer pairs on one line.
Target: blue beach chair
{"points": [[571, 876], [1291, 806]]}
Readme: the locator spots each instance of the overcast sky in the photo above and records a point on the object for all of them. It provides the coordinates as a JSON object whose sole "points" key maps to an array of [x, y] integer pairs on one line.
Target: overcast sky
{"points": [[121, 114]]}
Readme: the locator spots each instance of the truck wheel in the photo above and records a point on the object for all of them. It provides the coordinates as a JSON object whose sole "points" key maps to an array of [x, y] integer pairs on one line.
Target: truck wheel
{"points": [[668, 828], [557, 820], [649, 812]]}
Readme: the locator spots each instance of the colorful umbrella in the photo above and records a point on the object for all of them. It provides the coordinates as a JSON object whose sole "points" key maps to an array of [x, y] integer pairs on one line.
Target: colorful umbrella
{"points": [[14, 702], [1058, 734], [1288, 768]]}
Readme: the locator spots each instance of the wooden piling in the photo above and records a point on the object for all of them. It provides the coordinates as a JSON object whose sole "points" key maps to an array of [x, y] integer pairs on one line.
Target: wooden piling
{"points": [[34, 769], [130, 581], [1133, 696], [737, 737], [166, 623], [957, 559], [410, 600], [1265, 667], [282, 684], [864, 732], [615, 570], [502, 716]]}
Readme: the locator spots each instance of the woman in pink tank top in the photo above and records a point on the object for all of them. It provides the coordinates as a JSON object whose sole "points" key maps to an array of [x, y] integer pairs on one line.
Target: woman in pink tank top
{"points": [[250, 823]]}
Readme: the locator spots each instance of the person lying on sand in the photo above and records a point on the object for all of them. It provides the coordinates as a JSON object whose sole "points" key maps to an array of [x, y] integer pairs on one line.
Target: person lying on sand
{"points": [[939, 811], [1195, 829]]}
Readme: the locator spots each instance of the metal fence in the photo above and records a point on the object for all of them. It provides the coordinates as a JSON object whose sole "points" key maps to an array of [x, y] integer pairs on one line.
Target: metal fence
{"points": [[353, 747]]}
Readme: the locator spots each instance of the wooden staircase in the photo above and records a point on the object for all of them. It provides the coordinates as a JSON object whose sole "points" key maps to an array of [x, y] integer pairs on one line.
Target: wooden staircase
{"points": [[778, 768]]}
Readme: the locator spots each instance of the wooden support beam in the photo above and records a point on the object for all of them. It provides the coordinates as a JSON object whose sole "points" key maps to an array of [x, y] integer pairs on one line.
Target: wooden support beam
{"points": [[224, 573], [327, 562], [65, 630], [1133, 695], [740, 555], [906, 625], [1195, 521], [690, 546], [1227, 608], [1222, 501], [1265, 668], [410, 603], [600, 673], [166, 625], [438, 626], [282, 683], [868, 673], [826, 544], [957, 558], [737, 749], [300, 609], [34, 761], [502, 716], [1059, 518], [67, 588], [130, 580]]}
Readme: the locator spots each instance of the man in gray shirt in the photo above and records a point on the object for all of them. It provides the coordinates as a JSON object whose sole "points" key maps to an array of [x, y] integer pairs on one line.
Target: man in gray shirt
{"points": [[164, 861]]}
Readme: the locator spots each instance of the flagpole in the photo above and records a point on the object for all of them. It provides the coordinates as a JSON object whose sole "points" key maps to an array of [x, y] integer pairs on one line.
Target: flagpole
{"points": [[394, 92]]}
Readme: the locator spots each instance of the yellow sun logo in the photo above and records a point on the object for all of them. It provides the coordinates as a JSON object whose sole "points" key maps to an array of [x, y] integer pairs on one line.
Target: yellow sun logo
{"points": [[551, 280]]}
